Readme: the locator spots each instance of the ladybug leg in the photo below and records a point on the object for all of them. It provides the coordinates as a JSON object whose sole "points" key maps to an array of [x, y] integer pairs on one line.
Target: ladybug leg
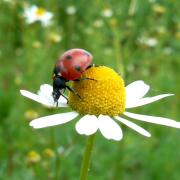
{"points": [[85, 78], [72, 90], [56, 99], [89, 66], [94, 65], [64, 96]]}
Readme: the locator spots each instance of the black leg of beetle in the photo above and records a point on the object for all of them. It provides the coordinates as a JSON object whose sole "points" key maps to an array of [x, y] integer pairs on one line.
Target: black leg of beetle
{"points": [[64, 96], [89, 67], [94, 65], [72, 90], [85, 78], [56, 102], [61, 94]]}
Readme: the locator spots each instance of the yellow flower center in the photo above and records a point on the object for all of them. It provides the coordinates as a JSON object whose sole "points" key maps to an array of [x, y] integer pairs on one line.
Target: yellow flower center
{"points": [[40, 11], [103, 95]]}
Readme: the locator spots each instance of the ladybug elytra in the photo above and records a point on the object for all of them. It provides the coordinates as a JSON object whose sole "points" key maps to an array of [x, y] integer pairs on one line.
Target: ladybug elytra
{"points": [[69, 67]]}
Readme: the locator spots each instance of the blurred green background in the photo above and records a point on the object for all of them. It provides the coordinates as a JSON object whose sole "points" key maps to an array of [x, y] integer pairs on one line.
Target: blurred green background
{"points": [[144, 36]]}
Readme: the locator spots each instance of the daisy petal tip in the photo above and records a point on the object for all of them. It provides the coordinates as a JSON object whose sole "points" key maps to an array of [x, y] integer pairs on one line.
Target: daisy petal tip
{"points": [[117, 138], [171, 94], [32, 124], [133, 126], [154, 119], [176, 124], [22, 92], [87, 125], [142, 83], [81, 132], [109, 128], [34, 127], [148, 135], [78, 130]]}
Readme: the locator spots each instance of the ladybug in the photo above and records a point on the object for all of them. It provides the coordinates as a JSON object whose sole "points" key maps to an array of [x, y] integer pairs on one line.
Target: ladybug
{"points": [[69, 67]]}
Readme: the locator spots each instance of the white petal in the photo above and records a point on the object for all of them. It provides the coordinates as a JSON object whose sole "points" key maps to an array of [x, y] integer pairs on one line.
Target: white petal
{"points": [[109, 128], [46, 91], [147, 100], [36, 98], [44, 99], [29, 14], [62, 101], [133, 126], [87, 125], [53, 120], [45, 22], [135, 91], [46, 19], [47, 16], [30, 19], [154, 119]]}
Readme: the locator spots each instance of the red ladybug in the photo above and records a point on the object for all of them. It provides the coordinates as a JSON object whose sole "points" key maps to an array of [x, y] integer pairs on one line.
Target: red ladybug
{"points": [[69, 67]]}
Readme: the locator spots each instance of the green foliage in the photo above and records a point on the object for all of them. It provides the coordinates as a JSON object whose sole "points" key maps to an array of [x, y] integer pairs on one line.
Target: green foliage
{"points": [[27, 56]]}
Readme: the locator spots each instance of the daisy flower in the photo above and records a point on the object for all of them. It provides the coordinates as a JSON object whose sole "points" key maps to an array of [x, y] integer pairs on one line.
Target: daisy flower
{"points": [[104, 103], [34, 13], [150, 42], [159, 9], [98, 23], [71, 10], [107, 13]]}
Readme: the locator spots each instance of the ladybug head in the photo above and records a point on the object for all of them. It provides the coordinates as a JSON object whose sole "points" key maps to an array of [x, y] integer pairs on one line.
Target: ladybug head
{"points": [[59, 84]]}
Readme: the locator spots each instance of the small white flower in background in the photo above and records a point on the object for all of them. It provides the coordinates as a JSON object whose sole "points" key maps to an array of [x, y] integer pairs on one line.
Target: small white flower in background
{"points": [[107, 13], [152, 1], [161, 30], [54, 37], [34, 13], [71, 10], [89, 31], [8, 1], [131, 96], [98, 23], [159, 9], [108, 51], [150, 42], [168, 50]]}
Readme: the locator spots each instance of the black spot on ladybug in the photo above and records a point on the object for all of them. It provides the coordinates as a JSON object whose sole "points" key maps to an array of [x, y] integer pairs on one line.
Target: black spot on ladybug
{"points": [[57, 70], [78, 68], [68, 57]]}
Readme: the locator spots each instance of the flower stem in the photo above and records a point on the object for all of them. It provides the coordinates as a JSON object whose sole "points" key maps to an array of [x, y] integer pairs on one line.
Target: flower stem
{"points": [[118, 51], [132, 7], [86, 157]]}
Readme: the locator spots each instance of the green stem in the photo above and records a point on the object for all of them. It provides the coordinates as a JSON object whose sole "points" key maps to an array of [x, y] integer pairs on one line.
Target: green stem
{"points": [[86, 157], [118, 51], [132, 7]]}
